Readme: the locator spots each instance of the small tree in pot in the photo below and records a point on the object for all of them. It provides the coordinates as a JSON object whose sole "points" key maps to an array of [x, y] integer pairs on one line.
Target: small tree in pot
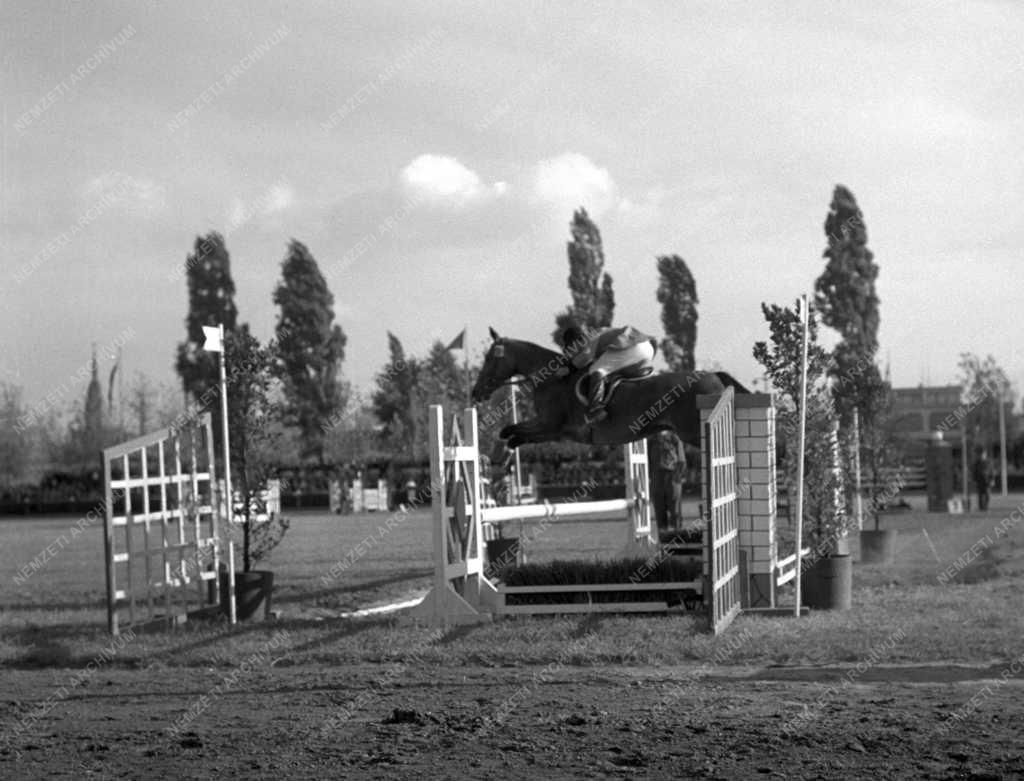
{"points": [[255, 431], [825, 506]]}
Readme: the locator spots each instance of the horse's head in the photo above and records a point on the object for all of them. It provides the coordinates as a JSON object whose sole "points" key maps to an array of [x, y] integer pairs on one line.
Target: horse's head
{"points": [[499, 366]]}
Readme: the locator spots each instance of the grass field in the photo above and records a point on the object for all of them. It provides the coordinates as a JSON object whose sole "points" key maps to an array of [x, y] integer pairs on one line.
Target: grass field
{"points": [[58, 615]]}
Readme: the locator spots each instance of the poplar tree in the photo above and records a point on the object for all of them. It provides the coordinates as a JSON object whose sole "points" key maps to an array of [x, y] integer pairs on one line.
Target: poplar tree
{"points": [[211, 301], [311, 348], [677, 294], [846, 298], [593, 298]]}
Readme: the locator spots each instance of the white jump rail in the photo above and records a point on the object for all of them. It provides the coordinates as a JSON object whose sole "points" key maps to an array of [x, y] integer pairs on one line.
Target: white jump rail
{"points": [[786, 569], [556, 512]]}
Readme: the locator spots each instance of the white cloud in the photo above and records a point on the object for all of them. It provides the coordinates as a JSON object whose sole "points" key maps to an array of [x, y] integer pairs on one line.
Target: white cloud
{"points": [[440, 178], [571, 180], [276, 198], [279, 198], [138, 196]]}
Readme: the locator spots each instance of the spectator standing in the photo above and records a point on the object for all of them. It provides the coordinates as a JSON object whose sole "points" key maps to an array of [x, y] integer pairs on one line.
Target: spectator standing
{"points": [[667, 479], [983, 478]]}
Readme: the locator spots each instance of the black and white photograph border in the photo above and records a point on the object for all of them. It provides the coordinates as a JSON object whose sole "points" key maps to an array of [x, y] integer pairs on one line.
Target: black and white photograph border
{"points": [[469, 389]]}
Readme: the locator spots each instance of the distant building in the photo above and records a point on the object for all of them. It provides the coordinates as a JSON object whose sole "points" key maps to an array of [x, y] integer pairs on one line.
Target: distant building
{"points": [[918, 412]]}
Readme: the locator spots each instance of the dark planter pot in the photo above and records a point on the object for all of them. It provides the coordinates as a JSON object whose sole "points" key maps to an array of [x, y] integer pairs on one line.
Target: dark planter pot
{"points": [[502, 552], [828, 584], [877, 547], [252, 590]]}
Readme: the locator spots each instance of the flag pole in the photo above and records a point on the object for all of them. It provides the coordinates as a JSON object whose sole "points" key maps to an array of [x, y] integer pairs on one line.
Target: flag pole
{"points": [[856, 470], [804, 318], [1002, 439], [964, 490], [517, 478], [465, 364], [214, 342], [229, 498], [120, 388]]}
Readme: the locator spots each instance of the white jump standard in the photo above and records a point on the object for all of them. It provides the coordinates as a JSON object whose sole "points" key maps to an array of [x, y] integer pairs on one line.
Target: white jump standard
{"points": [[741, 568], [461, 592]]}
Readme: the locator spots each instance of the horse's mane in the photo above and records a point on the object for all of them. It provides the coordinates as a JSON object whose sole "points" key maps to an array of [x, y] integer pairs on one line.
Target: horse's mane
{"points": [[543, 355], [548, 352]]}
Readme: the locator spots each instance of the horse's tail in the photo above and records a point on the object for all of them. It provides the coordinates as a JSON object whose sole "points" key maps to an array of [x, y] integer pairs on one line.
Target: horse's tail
{"points": [[731, 382]]}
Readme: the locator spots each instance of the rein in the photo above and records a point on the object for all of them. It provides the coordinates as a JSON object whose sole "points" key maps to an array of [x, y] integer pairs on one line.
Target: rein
{"points": [[499, 352]]}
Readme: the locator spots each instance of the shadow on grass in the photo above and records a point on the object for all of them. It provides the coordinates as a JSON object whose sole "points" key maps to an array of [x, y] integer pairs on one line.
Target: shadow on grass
{"points": [[170, 647], [283, 593], [348, 627], [96, 604], [292, 595], [585, 627], [458, 633]]}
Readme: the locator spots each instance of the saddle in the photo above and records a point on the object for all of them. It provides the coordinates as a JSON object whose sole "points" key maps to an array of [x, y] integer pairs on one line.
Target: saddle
{"points": [[612, 381]]}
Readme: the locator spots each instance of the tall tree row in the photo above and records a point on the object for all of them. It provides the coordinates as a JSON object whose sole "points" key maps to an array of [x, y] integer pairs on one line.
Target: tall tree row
{"points": [[985, 386], [211, 300], [395, 400], [306, 355], [846, 298], [15, 436], [845, 295], [677, 294], [593, 300], [311, 348], [407, 386]]}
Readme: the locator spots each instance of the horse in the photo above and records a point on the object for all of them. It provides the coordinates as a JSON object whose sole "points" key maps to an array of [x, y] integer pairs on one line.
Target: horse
{"points": [[637, 408]]}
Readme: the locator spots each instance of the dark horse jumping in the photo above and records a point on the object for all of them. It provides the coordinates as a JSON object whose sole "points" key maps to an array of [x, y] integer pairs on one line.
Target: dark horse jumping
{"points": [[639, 407]]}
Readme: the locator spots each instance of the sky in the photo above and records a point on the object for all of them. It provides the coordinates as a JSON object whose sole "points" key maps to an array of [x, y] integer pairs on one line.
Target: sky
{"points": [[430, 156]]}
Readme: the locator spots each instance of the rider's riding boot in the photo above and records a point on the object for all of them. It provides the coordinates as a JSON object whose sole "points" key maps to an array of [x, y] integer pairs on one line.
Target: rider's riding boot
{"points": [[595, 408]]}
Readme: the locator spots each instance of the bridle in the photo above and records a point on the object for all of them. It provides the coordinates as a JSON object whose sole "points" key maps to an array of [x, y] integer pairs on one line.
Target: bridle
{"points": [[498, 351]]}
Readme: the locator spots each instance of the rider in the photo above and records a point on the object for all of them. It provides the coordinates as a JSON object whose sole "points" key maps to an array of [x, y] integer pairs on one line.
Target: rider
{"points": [[603, 351]]}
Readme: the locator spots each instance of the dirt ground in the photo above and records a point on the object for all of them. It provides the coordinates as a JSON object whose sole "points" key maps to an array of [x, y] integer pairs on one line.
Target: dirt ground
{"points": [[279, 721]]}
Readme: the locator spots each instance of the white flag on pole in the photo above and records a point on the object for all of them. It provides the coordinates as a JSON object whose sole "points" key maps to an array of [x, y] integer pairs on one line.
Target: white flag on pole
{"points": [[213, 343]]}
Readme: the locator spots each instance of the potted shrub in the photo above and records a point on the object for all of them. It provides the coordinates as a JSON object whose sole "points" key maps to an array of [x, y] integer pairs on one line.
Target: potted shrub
{"points": [[880, 458], [827, 576], [255, 431], [828, 571]]}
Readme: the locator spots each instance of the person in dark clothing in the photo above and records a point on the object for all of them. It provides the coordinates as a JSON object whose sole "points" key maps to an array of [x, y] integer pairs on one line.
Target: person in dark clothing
{"points": [[668, 468], [982, 478]]}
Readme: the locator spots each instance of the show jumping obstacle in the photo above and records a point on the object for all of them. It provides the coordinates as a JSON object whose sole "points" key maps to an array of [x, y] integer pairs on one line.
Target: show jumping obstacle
{"points": [[461, 592], [741, 570], [163, 551]]}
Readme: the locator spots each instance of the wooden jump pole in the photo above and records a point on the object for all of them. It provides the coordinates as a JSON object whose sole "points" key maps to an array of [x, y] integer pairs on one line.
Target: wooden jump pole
{"points": [[804, 319]]}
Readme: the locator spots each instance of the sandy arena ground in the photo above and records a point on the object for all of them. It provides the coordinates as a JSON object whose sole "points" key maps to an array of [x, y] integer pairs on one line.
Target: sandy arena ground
{"points": [[596, 722]]}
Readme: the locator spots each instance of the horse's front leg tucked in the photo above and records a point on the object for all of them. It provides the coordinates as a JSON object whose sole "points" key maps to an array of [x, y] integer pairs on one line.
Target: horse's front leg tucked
{"points": [[535, 430], [523, 429]]}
